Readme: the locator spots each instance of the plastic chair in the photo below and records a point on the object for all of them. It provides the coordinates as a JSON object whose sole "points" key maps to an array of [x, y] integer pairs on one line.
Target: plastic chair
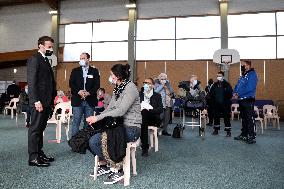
{"points": [[130, 151], [154, 137], [11, 107], [234, 111], [270, 113], [258, 118], [61, 118]]}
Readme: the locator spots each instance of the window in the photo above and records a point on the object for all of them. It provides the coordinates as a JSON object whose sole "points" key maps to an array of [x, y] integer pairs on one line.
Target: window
{"points": [[280, 23], [78, 33], [254, 47], [251, 24], [191, 49], [109, 51], [280, 47], [156, 29], [198, 27], [72, 52], [155, 50], [110, 31]]}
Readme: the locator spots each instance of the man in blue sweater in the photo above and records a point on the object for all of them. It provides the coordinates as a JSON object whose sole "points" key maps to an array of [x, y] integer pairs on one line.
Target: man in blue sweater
{"points": [[245, 93]]}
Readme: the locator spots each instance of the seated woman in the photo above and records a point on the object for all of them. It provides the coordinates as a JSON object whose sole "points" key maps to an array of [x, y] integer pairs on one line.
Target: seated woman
{"points": [[103, 100], [151, 112], [60, 97], [125, 102]]}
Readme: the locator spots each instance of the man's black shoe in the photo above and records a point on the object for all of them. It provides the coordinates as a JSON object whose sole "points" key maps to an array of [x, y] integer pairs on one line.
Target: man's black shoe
{"points": [[228, 134], [241, 137], [251, 140], [215, 132], [209, 124], [46, 159], [145, 153], [39, 163], [166, 134]]}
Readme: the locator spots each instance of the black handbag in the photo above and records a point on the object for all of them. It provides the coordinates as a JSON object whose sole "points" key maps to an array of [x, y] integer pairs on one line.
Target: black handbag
{"points": [[178, 131]]}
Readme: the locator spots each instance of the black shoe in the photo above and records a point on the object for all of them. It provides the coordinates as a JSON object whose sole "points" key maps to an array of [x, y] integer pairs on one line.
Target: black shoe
{"points": [[251, 140], [166, 134], [241, 137], [39, 163], [215, 132], [27, 124], [145, 153], [228, 134], [46, 159]]}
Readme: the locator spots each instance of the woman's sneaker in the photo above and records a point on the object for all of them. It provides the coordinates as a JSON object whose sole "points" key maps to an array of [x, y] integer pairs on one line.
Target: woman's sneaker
{"points": [[114, 178], [102, 170]]}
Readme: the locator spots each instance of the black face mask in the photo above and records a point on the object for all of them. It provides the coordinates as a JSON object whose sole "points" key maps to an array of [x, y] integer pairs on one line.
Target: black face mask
{"points": [[48, 52], [243, 68]]}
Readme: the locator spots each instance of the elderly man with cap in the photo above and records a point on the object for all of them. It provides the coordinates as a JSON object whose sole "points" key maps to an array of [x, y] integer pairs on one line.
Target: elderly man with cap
{"points": [[164, 88]]}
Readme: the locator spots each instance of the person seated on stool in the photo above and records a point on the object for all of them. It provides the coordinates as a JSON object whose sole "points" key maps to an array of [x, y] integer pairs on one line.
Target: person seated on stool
{"points": [[23, 105], [150, 113], [103, 100], [125, 102]]}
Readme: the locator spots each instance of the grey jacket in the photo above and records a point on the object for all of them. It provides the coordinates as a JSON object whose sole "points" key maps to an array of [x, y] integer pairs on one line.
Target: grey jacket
{"points": [[127, 105]]}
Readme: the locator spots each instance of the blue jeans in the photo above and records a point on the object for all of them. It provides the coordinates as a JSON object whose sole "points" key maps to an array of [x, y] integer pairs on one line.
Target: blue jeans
{"points": [[78, 115], [95, 142]]}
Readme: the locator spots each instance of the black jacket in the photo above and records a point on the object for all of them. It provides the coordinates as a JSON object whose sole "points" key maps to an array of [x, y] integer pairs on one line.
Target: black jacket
{"points": [[14, 90], [227, 93], [155, 102], [41, 81], [76, 84]]}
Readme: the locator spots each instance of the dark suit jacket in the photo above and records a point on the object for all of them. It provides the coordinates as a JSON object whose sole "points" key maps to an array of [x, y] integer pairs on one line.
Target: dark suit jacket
{"points": [[13, 89], [155, 102], [76, 83], [41, 81]]}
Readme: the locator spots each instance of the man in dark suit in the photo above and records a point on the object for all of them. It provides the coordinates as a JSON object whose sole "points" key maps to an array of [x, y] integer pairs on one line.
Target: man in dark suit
{"points": [[41, 95], [84, 82], [150, 114]]}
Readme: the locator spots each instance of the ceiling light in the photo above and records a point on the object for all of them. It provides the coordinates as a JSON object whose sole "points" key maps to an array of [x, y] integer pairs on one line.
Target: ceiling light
{"points": [[53, 12], [133, 5]]}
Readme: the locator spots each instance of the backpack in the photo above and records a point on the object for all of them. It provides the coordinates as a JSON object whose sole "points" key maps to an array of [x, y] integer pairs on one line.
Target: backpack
{"points": [[178, 131]]}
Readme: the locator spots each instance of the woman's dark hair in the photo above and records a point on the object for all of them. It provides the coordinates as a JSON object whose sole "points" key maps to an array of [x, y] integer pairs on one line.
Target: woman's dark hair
{"points": [[102, 89], [121, 71]]}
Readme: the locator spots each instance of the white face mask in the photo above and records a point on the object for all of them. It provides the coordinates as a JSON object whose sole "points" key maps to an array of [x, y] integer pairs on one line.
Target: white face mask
{"points": [[220, 78], [26, 90], [83, 63], [113, 82], [194, 82]]}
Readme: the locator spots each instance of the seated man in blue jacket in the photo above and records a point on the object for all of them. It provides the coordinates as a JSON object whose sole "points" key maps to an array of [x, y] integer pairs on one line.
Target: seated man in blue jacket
{"points": [[245, 93], [150, 114]]}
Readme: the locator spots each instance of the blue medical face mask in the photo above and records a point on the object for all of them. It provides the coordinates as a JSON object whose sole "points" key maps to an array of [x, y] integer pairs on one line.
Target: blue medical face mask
{"points": [[146, 87], [83, 63]]}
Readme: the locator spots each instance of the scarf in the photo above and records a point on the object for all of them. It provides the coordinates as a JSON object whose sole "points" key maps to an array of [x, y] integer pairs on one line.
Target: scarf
{"points": [[148, 95], [120, 88]]}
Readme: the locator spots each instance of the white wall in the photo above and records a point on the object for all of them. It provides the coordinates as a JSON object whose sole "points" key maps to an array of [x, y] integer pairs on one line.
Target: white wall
{"points": [[21, 26], [92, 10]]}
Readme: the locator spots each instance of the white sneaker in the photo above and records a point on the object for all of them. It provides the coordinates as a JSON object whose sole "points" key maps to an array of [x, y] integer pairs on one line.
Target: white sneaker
{"points": [[114, 178]]}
